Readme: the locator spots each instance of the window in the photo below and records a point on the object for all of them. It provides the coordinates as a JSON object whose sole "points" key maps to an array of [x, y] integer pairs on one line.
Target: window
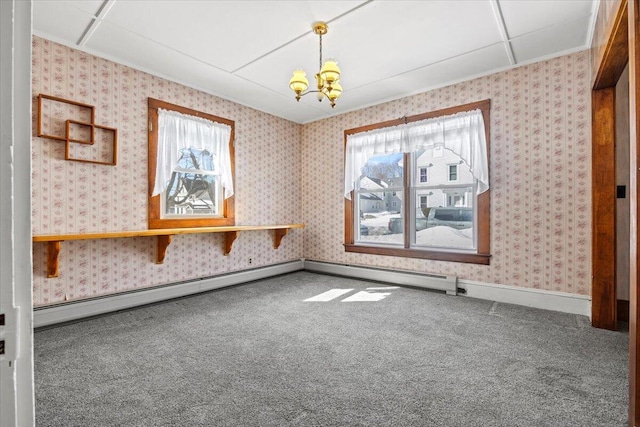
{"points": [[442, 215], [423, 174], [191, 164], [453, 173]]}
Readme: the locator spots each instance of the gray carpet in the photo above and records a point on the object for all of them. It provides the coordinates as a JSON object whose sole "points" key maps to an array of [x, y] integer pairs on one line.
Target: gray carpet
{"points": [[258, 355]]}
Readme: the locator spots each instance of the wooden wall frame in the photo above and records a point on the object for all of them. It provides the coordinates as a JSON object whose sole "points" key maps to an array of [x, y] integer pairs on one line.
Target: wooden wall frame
{"points": [[92, 141], [69, 123]]}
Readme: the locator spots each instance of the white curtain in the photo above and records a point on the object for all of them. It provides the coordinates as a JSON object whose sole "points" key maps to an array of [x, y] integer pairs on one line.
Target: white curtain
{"points": [[462, 133], [177, 131]]}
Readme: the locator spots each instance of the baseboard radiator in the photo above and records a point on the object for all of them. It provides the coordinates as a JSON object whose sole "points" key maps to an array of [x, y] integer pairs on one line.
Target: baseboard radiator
{"points": [[73, 310], [408, 278]]}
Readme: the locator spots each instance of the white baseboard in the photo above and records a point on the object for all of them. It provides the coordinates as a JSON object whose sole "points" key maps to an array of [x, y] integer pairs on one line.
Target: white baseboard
{"points": [[438, 282], [65, 312], [536, 298], [547, 300]]}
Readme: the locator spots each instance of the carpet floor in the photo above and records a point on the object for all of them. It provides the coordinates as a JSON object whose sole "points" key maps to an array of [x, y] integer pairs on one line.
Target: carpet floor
{"points": [[376, 355]]}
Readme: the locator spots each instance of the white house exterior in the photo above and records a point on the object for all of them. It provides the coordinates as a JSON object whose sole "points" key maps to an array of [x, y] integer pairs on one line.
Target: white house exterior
{"points": [[442, 180]]}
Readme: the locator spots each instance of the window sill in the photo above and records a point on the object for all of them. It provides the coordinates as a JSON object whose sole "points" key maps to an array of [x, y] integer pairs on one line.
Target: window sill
{"points": [[483, 259]]}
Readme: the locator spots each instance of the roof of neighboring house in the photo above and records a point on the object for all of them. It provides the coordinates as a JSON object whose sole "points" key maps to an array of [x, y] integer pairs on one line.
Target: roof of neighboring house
{"points": [[369, 196], [372, 183]]}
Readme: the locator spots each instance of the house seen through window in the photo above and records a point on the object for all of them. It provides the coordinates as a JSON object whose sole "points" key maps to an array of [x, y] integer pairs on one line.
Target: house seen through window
{"points": [[194, 187], [435, 199], [191, 166]]}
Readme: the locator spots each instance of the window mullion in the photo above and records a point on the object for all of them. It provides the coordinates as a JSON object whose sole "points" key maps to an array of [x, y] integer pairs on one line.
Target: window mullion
{"points": [[407, 200]]}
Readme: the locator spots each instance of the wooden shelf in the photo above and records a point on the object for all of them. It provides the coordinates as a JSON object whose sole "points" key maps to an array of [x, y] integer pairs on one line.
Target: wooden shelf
{"points": [[163, 239]]}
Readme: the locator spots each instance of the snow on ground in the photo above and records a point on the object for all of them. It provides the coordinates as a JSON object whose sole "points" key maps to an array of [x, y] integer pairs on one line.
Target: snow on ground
{"points": [[378, 224], [379, 219]]}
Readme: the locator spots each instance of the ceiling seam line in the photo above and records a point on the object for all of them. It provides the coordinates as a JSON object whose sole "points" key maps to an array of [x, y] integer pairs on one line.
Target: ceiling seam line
{"points": [[430, 64], [502, 28], [298, 38], [95, 22], [549, 27]]}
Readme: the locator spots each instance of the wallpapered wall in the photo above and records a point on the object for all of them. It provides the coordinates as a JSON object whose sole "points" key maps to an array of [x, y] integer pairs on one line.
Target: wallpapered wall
{"points": [[288, 173], [540, 176], [72, 197]]}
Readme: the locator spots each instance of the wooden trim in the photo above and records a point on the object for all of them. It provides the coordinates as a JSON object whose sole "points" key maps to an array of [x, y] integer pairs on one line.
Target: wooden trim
{"points": [[157, 232], [623, 310], [229, 238], [422, 254], [349, 237], [155, 220], [483, 201], [614, 54], [634, 201], [162, 243], [278, 234], [484, 105], [53, 252], [603, 286], [163, 239]]}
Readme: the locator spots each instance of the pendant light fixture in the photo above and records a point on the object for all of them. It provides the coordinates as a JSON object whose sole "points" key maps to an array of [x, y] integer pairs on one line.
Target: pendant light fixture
{"points": [[326, 78]]}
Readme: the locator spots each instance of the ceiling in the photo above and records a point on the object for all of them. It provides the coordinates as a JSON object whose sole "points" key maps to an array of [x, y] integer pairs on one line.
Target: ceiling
{"points": [[246, 51]]}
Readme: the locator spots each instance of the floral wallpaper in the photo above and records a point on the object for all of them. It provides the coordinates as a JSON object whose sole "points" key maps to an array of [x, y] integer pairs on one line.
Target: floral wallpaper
{"points": [[73, 197], [540, 173], [288, 173]]}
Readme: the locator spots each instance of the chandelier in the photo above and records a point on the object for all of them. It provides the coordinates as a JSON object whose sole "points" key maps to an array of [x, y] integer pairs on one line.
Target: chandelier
{"points": [[326, 78]]}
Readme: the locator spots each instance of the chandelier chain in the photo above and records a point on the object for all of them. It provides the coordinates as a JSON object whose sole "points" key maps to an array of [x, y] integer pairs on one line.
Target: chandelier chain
{"points": [[320, 64]]}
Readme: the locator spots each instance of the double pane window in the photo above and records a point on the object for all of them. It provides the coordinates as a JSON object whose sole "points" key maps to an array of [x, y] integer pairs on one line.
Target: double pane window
{"points": [[440, 215], [418, 187]]}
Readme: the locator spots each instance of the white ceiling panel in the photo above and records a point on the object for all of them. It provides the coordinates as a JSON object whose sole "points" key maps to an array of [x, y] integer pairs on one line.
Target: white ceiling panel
{"points": [[245, 51], [552, 40], [366, 45], [89, 6], [524, 16], [59, 21], [142, 54], [225, 34], [477, 63]]}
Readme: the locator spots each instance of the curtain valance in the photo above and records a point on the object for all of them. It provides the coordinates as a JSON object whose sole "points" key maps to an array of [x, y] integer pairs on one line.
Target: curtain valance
{"points": [[462, 133], [177, 131]]}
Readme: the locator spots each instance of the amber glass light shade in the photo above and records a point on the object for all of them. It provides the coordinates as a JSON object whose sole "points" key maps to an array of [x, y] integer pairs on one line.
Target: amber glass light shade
{"points": [[299, 82], [335, 92], [330, 72]]}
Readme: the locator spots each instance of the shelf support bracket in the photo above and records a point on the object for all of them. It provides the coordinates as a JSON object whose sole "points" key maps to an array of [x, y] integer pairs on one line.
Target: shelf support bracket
{"points": [[229, 238], [53, 257], [162, 243], [279, 233]]}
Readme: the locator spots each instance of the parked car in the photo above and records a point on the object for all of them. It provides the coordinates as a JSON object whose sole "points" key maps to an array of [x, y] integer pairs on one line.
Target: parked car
{"points": [[459, 218], [454, 217]]}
